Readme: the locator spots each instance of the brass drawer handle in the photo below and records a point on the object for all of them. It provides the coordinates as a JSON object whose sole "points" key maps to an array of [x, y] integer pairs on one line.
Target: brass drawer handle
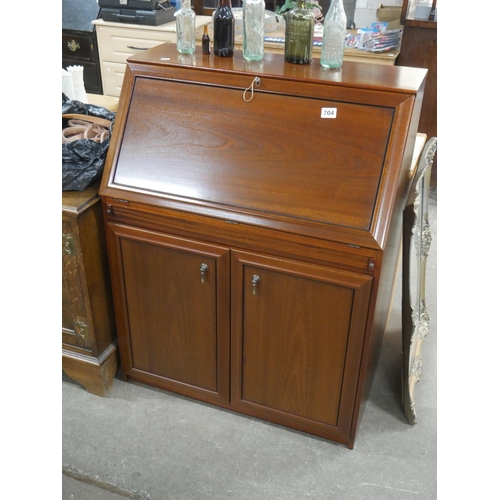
{"points": [[73, 46]]}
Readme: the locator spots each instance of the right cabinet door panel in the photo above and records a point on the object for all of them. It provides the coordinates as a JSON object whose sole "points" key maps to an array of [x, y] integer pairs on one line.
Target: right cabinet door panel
{"points": [[298, 333]]}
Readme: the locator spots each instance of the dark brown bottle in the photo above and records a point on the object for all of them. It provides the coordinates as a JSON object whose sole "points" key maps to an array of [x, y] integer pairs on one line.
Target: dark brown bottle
{"points": [[223, 22], [205, 41]]}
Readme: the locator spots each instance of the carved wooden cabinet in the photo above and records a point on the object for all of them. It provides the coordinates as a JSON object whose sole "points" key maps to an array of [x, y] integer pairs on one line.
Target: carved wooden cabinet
{"points": [[89, 345], [253, 234]]}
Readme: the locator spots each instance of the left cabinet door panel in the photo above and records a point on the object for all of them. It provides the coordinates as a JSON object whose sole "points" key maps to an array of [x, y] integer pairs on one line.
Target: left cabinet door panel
{"points": [[173, 295]]}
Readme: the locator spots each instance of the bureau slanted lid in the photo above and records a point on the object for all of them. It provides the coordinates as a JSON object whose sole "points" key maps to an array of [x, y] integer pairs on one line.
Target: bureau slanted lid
{"points": [[294, 147]]}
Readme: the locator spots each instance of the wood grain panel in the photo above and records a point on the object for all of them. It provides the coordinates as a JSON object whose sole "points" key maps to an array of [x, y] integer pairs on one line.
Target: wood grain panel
{"points": [[294, 361], [172, 314], [295, 336], [177, 330], [218, 153]]}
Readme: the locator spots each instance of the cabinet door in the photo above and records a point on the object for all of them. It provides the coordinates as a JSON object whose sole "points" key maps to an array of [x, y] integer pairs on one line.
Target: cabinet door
{"points": [[298, 333], [175, 305]]}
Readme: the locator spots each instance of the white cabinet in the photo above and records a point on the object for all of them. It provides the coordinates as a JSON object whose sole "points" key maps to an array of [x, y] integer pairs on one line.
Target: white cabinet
{"points": [[116, 42]]}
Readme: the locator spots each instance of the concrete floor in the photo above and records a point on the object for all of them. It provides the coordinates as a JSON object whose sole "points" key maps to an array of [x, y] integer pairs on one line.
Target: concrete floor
{"points": [[147, 444]]}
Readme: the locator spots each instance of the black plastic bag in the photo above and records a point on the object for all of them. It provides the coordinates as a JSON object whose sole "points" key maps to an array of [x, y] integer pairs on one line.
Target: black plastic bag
{"points": [[83, 160]]}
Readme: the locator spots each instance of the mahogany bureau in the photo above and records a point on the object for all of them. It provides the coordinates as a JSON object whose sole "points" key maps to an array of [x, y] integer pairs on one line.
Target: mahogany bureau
{"points": [[253, 216]]}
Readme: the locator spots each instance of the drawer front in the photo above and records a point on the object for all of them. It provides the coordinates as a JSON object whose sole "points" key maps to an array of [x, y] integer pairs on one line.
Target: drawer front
{"points": [[117, 44], [76, 46], [112, 77], [250, 237]]}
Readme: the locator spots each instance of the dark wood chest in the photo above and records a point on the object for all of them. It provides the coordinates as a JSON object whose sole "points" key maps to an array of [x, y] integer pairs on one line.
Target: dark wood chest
{"points": [[79, 41]]}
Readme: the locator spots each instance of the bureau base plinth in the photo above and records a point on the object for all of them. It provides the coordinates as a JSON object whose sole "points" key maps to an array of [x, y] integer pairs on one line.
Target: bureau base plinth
{"points": [[95, 374]]}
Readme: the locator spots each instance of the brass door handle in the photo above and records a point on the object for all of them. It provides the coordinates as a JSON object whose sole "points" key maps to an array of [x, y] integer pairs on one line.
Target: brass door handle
{"points": [[203, 271], [255, 282]]}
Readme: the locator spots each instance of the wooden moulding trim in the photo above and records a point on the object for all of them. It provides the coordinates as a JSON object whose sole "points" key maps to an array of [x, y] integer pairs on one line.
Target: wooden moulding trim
{"points": [[87, 358], [394, 166], [274, 84], [235, 235], [196, 393], [327, 232]]}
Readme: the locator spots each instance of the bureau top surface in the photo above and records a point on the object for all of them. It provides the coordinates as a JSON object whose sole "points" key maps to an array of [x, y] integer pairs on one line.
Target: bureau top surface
{"points": [[297, 148], [352, 74]]}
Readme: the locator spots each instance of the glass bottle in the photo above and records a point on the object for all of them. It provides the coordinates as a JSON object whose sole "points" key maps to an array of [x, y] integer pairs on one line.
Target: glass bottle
{"points": [[185, 20], [334, 32], [253, 29], [205, 41], [299, 33], [223, 24]]}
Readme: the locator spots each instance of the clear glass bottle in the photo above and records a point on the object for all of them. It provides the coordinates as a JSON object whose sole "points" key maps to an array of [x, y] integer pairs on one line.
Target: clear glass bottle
{"points": [[185, 20], [334, 32], [223, 24], [299, 34], [253, 29]]}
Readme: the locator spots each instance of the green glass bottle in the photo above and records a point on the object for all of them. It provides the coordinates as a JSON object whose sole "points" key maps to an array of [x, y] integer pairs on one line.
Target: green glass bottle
{"points": [[299, 33]]}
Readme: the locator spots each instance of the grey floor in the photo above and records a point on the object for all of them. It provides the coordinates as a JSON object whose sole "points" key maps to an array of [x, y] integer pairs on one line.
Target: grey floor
{"points": [[146, 444]]}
